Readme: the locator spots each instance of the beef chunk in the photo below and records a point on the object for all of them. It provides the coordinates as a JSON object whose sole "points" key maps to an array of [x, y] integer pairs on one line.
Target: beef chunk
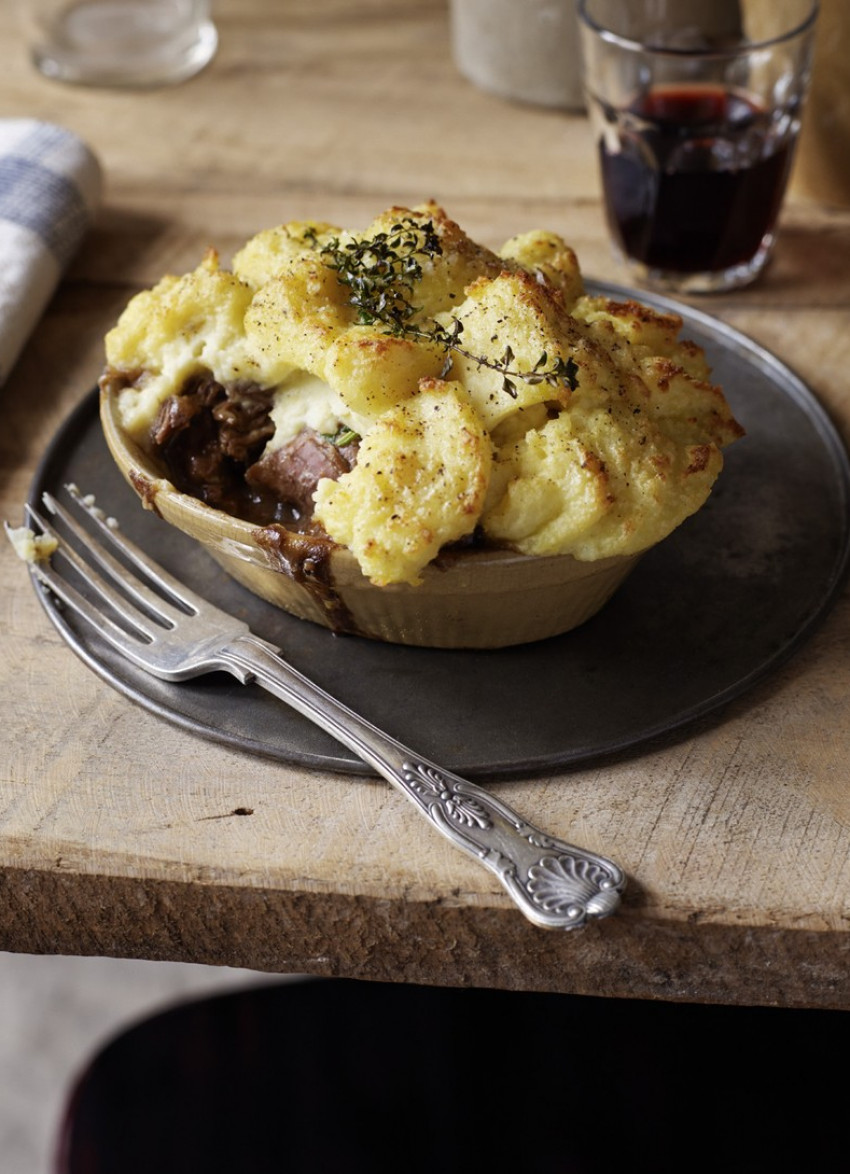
{"points": [[291, 473], [244, 423], [179, 411], [207, 435], [210, 439]]}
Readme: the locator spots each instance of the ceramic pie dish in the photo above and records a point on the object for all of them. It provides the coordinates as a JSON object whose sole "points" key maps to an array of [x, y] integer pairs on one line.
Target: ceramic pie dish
{"points": [[471, 599], [401, 434]]}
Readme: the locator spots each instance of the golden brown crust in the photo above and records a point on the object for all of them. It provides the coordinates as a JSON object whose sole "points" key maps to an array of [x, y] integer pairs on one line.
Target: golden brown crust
{"points": [[507, 401]]}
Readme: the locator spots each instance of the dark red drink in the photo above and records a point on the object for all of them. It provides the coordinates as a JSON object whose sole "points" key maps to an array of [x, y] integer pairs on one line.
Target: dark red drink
{"points": [[698, 179]]}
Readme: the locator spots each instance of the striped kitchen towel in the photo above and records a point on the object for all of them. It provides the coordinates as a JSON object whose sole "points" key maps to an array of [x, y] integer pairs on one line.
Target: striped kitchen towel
{"points": [[50, 186]]}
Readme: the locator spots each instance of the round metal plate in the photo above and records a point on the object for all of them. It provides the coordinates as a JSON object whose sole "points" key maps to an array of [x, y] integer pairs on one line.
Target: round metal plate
{"points": [[728, 597]]}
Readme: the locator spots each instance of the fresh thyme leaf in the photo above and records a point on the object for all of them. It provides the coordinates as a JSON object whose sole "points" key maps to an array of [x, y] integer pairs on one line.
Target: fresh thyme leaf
{"points": [[381, 275], [341, 437], [381, 272]]}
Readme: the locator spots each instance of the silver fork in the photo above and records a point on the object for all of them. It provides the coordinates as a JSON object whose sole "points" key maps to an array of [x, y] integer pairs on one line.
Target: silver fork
{"points": [[169, 631]]}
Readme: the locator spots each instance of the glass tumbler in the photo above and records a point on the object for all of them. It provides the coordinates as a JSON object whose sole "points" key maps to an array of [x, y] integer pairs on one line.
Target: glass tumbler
{"points": [[119, 42], [696, 108]]}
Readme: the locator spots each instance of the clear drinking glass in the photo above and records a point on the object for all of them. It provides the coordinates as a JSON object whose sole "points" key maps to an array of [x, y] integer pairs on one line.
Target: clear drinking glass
{"points": [[120, 42], [696, 107]]}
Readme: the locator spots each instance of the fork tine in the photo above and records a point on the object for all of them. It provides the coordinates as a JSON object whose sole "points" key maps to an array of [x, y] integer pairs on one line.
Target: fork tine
{"points": [[140, 623], [160, 607], [153, 606], [178, 592], [120, 639]]}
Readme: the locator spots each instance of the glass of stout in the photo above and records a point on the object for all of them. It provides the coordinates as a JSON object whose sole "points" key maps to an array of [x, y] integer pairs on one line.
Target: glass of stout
{"points": [[696, 107]]}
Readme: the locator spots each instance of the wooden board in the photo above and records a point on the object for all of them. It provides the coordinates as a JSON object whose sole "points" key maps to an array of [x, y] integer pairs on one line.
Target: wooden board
{"points": [[118, 833]]}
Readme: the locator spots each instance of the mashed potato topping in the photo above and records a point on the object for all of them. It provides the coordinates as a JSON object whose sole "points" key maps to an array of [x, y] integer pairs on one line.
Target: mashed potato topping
{"points": [[404, 388]]}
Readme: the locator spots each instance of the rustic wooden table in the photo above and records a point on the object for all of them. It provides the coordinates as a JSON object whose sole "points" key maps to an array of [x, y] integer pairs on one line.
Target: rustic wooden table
{"points": [[117, 832]]}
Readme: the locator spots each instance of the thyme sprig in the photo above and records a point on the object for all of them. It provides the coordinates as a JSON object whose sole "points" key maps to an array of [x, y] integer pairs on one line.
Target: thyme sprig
{"points": [[381, 274]]}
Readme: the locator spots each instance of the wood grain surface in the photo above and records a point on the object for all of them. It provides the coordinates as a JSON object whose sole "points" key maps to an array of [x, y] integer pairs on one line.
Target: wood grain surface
{"points": [[118, 832]]}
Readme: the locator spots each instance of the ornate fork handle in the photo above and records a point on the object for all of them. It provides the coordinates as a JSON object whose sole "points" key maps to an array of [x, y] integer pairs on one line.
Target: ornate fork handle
{"points": [[555, 884]]}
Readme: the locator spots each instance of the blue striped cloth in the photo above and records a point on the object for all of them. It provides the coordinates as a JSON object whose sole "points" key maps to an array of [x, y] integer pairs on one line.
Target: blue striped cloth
{"points": [[50, 186]]}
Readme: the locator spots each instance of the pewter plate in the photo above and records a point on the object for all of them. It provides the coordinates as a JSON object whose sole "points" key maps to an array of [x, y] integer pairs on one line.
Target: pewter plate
{"points": [[707, 614]]}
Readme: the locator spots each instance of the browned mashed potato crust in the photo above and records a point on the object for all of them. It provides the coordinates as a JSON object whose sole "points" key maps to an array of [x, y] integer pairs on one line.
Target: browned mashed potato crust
{"points": [[486, 399]]}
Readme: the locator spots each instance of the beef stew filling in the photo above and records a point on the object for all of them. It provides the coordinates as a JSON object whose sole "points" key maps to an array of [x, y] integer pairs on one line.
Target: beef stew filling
{"points": [[211, 439], [292, 472]]}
